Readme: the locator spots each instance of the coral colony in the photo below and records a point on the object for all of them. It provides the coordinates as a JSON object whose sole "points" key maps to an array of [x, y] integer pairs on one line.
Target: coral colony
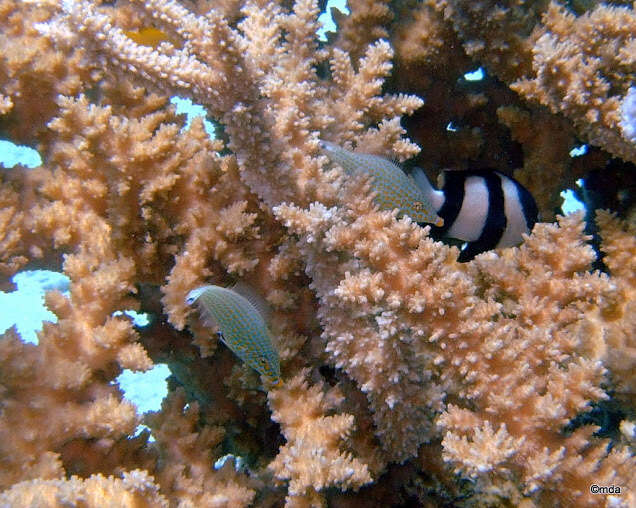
{"points": [[407, 378]]}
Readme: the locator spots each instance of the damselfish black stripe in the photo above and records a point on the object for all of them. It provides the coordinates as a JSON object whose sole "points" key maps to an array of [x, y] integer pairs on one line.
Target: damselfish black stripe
{"points": [[528, 205], [495, 224], [453, 199]]}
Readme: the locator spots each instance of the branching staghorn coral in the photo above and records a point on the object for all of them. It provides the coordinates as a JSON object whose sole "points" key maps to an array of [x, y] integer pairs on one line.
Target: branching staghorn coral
{"points": [[551, 324], [391, 351], [583, 67], [136, 488], [33, 73], [580, 66], [310, 433], [534, 311], [185, 467], [619, 246]]}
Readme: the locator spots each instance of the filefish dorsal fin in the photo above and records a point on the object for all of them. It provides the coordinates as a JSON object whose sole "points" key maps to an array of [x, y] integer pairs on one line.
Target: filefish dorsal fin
{"points": [[259, 303]]}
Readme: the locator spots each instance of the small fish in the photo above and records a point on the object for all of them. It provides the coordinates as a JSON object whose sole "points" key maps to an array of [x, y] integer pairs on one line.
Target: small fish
{"points": [[241, 324], [149, 36], [485, 208], [393, 187]]}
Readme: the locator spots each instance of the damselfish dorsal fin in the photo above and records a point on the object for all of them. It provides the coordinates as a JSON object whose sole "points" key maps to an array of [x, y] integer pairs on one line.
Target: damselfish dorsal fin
{"points": [[259, 303], [434, 196]]}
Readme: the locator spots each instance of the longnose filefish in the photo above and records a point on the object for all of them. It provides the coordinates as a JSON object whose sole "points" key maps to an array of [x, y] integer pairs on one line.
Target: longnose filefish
{"points": [[394, 189], [485, 208], [241, 323]]}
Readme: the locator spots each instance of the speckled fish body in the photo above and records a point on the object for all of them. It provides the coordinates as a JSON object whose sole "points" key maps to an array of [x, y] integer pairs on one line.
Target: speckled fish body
{"points": [[241, 325], [393, 187]]}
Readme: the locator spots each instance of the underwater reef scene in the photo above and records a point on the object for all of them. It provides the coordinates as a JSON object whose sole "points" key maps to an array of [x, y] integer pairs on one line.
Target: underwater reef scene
{"points": [[406, 378]]}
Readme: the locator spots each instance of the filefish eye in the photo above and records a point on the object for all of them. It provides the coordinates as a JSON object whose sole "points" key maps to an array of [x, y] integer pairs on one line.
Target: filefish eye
{"points": [[194, 295]]}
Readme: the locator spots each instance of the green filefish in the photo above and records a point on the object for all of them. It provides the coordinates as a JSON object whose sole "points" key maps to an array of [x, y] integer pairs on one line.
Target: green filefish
{"points": [[393, 187], [241, 325]]}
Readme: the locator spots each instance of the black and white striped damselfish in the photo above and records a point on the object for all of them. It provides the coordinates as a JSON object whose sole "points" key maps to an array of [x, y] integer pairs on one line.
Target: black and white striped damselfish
{"points": [[485, 208]]}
